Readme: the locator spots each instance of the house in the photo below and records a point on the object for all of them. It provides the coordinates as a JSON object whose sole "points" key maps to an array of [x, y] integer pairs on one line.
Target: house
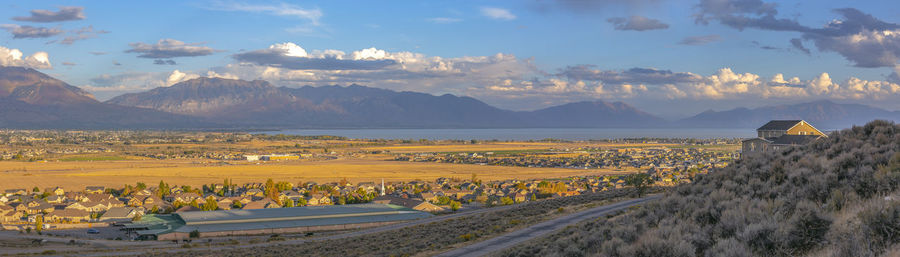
{"points": [[121, 213], [12, 192], [778, 134], [94, 189], [12, 217], [68, 215], [56, 199], [414, 204], [261, 204], [187, 208], [318, 199], [56, 191]]}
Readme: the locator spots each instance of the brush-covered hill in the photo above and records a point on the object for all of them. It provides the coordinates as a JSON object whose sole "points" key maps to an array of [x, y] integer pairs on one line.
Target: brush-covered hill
{"points": [[835, 197]]}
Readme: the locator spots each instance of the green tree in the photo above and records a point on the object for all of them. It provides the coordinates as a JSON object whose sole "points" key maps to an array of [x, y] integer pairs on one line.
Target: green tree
{"points": [[270, 190], [162, 190], [454, 205], [288, 203], [506, 200], [237, 204], [210, 204], [35, 190], [39, 223], [641, 181]]}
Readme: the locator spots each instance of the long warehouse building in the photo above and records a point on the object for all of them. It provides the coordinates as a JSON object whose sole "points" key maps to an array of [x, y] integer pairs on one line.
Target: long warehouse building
{"points": [[179, 226]]}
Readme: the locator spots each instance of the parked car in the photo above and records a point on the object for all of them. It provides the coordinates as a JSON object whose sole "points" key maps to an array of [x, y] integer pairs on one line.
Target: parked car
{"points": [[93, 231]]}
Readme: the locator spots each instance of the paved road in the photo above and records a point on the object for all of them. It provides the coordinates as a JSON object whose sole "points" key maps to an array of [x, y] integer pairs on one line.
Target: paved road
{"points": [[519, 236]]}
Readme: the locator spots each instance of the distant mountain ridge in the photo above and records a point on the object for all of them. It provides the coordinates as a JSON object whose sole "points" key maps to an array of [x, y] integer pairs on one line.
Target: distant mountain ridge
{"points": [[823, 114], [30, 99], [250, 103]]}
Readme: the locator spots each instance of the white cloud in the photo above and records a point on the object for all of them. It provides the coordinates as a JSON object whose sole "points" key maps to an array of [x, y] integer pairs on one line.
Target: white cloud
{"points": [[369, 53], [13, 57], [290, 49], [497, 13], [288, 10]]}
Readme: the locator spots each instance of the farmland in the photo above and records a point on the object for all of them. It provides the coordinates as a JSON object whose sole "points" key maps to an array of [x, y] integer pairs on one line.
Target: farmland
{"points": [[77, 174]]}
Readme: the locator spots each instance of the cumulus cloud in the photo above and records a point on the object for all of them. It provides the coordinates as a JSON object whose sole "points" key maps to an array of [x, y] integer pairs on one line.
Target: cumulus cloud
{"points": [[31, 32], [585, 82], [699, 40], [170, 48], [637, 23], [861, 38], [497, 13], [65, 13], [292, 56], [13, 57]]}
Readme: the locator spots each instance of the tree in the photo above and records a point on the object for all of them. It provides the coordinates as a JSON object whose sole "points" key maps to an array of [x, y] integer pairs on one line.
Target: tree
{"points": [[210, 204], [137, 217], [237, 204], [35, 190], [162, 190], [288, 203], [39, 223], [640, 181], [506, 200], [271, 191], [454, 205], [194, 234]]}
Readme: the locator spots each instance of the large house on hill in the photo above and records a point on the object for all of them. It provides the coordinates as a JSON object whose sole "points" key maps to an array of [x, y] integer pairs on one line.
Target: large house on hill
{"points": [[778, 134]]}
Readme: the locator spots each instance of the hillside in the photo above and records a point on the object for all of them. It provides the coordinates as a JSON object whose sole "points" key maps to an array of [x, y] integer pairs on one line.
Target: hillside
{"points": [[835, 197], [30, 99], [824, 114]]}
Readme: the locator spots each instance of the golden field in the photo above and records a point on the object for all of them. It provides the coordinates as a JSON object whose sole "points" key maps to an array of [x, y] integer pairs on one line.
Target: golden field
{"points": [[77, 174]]}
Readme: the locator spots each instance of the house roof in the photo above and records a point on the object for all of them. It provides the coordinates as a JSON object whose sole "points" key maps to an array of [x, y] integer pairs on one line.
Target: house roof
{"points": [[118, 212], [779, 125], [295, 217], [794, 139]]}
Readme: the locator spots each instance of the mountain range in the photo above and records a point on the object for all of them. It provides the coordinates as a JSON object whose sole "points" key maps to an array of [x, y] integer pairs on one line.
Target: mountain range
{"points": [[31, 99]]}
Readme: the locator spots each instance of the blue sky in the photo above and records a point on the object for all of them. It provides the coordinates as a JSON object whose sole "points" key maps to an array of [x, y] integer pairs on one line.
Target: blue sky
{"points": [[512, 54]]}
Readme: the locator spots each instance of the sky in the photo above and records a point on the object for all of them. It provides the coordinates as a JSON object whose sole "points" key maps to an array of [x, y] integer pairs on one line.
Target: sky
{"points": [[670, 58]]}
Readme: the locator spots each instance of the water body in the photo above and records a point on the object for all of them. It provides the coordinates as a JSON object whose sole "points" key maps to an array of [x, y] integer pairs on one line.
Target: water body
{"points": [[521, 134]]}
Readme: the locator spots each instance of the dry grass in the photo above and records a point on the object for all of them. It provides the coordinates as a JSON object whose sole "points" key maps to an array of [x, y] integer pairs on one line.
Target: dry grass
{"points": [[78, 174], [500, 146]]}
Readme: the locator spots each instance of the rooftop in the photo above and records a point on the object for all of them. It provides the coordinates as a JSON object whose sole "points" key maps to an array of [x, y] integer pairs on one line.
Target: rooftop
{"points": [[779, 125]]}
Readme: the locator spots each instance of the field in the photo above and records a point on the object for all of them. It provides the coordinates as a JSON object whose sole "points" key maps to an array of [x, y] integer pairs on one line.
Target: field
{"points": [[77, 174]]}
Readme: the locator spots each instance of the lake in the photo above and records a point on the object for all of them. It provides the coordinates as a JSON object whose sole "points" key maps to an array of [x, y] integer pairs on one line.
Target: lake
{"points": [[521, 134]]}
